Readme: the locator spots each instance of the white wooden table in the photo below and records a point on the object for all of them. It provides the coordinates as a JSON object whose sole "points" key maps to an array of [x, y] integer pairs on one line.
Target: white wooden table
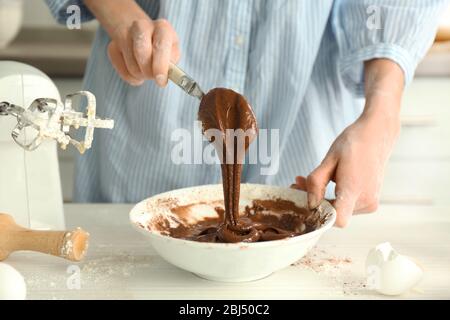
{"points": [[121, 263]]}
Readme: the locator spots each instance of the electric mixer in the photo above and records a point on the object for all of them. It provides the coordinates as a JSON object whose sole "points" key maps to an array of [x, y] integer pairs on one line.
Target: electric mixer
{"points": [[30, 187]]}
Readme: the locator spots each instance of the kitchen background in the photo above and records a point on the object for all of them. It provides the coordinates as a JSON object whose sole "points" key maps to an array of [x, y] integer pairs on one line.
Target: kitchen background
{"points": [[419, 169]]}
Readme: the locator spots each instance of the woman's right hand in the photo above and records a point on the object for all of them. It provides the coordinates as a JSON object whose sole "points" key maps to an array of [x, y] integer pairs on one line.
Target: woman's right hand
{"points": [[143, 50], [140, 48]]}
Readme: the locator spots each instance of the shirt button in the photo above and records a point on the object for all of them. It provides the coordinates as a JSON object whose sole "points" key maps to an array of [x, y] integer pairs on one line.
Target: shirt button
{"points": [[239, 40]]}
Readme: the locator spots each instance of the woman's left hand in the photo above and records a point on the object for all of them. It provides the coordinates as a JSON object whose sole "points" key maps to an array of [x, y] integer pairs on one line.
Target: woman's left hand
{"points": [[358, 157]]}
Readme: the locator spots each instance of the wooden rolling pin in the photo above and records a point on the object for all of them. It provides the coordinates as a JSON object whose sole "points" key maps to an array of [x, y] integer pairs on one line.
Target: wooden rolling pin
{"points": [[70, 245]]}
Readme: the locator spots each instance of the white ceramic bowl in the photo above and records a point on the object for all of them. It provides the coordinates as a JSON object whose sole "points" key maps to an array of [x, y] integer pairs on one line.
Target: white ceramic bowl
{"points": [[229, 262]]}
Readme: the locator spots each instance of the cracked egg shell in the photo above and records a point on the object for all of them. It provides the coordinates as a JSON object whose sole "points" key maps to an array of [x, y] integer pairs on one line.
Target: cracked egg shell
{"points": [[391, 273]]}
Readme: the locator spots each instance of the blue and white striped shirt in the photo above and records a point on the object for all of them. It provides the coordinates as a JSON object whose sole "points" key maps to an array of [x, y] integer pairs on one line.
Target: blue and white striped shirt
{"points": [[298, 62]]}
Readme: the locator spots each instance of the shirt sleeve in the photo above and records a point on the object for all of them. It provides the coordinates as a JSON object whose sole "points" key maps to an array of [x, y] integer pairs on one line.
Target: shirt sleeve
{"points": [[399, 30], [58, 9]]}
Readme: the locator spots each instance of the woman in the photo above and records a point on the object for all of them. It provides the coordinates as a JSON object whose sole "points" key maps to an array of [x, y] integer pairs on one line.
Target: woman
{"points": [[305, 67]]}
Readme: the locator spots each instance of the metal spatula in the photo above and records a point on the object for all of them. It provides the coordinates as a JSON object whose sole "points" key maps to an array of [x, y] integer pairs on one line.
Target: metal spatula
{"points": [[185, 82]]}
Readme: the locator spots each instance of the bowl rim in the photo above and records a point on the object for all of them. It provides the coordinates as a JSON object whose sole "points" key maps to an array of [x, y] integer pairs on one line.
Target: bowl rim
{"points": [[238, 245]]}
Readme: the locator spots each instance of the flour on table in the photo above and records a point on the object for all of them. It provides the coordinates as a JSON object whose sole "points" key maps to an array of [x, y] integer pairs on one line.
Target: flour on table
{"points": [[333, 267], [94, 272], [103, 268]]}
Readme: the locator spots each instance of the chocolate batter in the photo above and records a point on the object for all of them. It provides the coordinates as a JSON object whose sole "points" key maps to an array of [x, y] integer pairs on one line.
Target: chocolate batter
{"points": [[272, 220], [230, 124], [228, 112]]}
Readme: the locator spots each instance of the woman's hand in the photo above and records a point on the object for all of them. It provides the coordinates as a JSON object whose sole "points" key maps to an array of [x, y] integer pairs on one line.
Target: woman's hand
{"points": [[143, 50], [140, 48], [357, 158]]}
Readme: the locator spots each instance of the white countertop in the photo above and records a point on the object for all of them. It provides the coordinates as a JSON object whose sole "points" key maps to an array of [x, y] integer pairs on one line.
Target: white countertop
{"points": [[122, 265]]}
